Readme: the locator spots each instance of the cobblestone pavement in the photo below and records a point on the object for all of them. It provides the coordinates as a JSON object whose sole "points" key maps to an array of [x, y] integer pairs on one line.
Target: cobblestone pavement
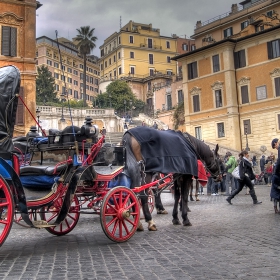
{"points": [[239, 241]]}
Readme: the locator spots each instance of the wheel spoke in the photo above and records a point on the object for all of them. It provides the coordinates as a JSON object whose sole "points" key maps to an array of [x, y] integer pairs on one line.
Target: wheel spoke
{"points": [[5, 222], [4, 204], [120, 228], [111, 222], [125, 226]]}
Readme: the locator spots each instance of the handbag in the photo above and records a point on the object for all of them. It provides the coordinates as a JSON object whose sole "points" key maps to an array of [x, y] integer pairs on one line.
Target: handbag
{"points": [[235, 172]]}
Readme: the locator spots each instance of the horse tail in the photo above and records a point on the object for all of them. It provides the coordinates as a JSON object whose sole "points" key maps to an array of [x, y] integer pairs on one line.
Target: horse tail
{"points": [[132, 168]]}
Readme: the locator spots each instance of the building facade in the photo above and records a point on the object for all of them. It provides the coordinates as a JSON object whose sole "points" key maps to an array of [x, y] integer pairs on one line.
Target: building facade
{"points": [[232, 85], [18, 27], [68, 72]]}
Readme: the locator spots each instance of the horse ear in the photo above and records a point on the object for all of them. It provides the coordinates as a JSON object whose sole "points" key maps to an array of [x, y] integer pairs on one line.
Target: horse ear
{"points": [[216, 150]]}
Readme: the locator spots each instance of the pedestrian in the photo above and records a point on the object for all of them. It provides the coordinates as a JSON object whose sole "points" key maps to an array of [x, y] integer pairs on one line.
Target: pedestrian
{"points": [[246, 175], [143, 123], [262, 163], [275, 186], [103, 131], [155, 125], [230, 165], [268, 172]]}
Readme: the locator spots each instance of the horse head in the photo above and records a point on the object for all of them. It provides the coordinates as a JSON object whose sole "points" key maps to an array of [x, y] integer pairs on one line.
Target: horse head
{"points": [[215, 166]]}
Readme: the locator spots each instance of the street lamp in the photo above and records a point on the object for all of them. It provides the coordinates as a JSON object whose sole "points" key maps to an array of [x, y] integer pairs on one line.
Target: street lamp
{"points": [[246, 132], [124, 102], [38, 118], [62, 96]]}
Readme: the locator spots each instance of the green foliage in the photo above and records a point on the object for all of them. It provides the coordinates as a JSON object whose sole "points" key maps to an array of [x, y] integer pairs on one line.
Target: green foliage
{"points": [[45, 86], [179, 115], [117, 94]]}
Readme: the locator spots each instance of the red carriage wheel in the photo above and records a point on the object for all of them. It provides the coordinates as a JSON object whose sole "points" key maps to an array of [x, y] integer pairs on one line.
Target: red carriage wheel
{"points": [[120, 214], [50, 213], [6, 210]]}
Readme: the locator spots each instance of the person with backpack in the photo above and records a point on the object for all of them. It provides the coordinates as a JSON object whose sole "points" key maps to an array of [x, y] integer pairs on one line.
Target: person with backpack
{"points": [[229, 167], [246, 175]]}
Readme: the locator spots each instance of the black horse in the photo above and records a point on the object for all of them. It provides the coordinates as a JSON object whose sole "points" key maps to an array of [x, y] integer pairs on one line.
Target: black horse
{"points": [[149, 150]]}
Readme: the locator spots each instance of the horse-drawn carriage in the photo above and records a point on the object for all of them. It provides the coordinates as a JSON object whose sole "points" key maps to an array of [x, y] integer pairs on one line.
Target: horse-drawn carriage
{"points": [[65, 167]]}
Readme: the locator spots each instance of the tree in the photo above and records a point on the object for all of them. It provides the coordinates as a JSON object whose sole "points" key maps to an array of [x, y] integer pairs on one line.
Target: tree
{"points": [[86, 43], [179, 115], [45, 85], [120, 96]]}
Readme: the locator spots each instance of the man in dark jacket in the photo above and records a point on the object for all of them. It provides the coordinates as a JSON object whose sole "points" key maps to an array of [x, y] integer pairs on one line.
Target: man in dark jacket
{"points": [[275, 145], [262, 163]]}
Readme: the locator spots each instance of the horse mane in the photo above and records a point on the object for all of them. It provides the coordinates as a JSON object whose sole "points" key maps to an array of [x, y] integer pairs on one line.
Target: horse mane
{"points": [[203, 151]]}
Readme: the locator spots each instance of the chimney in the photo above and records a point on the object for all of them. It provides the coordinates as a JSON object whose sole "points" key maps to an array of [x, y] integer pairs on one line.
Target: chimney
{"points": [[198, 24], [234, 8]]}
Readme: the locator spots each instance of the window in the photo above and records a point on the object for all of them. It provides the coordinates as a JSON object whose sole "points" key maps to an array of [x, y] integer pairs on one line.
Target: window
{"points": [[198, 132], [56, 75], [247, 127], [244, 24], [132, 70], [9, 41], [62, 78], [216, 63], [101, 66], [169, 101], [277, 86], [151, 58], [273, 49], [193, 47], [244, 94], [57, 87], [169, 72], [69, 70], [269, 14], [261, 92], [75, 72], [196, 105], [81, 76], [131, 54], [151, 71], [221, 130], [70, 91], [75, 94], [105, 64], [239, 59], [55, 64], [91, 80], [69, 80], [192, 70], [180, 96], [228, 32], [49, 62], [119, 55], [76, 83], [184, 47], [120, 70], [119, 40], [218, 98], [131, 39], [167, 44], [115, 73], [149, 85], [114, 58], [150, 43], [168, 59]]}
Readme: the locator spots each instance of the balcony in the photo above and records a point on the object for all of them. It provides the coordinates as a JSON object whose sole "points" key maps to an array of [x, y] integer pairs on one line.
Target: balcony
{"points": [[155, 47]]}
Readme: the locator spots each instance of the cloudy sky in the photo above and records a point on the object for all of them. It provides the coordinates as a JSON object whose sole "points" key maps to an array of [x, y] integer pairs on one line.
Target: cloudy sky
{"points": [[170, 16]]}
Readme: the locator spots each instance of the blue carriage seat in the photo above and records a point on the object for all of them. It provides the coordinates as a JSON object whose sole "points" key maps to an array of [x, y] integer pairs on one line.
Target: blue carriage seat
{"points": [[41, 176]]}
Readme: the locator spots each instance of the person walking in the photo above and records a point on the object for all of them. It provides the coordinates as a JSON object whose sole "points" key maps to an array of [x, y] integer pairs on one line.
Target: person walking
{"points": [[262, 163], [155, 125], [275, 189], [230, 165], [245, 167]]}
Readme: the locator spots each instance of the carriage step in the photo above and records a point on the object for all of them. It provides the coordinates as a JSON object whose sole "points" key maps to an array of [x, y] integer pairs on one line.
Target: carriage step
{"points": [[41, 224]]}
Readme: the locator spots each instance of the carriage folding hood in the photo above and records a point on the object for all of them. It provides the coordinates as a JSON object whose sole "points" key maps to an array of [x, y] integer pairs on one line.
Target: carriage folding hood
{"points": [[9, 88]]}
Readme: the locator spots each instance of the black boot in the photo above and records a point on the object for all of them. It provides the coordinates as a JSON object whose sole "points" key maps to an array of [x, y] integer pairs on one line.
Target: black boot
{"points": [[231, 196], [254, 197]]}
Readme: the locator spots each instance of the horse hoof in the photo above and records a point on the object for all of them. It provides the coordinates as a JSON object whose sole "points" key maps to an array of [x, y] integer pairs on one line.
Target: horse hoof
{"points": [[197, 199], [162, 212], [152, 228], [191, 198], [189, 210], [140, 227], [176, 222], [187, 224]]}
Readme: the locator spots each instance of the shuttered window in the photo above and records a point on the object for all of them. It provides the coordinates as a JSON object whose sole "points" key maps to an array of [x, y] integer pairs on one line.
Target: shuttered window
{"points": [[20, 109], [9, 41], [221, 130], [277, 86], [216, 63], [192, 70], [218, 98], [247, 126], [239, 59], [196, 105], [244, 94], [273, 49]]}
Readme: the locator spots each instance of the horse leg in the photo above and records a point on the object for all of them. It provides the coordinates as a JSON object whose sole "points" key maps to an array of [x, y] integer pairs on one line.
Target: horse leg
{"points": [[196, 190], [158, 202], [185, 185], [176, 220], [191, 191], [146, 212]]}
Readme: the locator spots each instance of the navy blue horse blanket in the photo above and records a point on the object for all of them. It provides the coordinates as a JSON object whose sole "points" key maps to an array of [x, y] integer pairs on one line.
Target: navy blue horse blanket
{"points": [[166, 151]]}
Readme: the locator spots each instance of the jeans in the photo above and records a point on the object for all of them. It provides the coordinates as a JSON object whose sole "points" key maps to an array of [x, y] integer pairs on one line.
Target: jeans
{"points": [[214, 186], [230, 182]]}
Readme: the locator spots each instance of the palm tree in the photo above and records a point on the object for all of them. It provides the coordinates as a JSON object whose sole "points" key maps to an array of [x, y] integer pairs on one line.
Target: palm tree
{"points": [[86, 43]]}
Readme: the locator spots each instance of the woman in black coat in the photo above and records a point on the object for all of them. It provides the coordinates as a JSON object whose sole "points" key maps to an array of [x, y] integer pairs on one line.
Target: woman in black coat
{"points": [[246, 176]]}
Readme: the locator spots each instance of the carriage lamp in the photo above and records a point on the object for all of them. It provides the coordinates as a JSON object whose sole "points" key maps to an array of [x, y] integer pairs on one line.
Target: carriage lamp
{"points": [[38, 117]]}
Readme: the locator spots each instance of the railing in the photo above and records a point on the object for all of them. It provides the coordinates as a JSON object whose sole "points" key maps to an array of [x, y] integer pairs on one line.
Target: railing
{"points": [[240, 8], [150, 46]]}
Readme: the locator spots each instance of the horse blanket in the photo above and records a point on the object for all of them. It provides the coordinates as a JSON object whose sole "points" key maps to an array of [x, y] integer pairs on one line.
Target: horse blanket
{"points": [[166, 151]]}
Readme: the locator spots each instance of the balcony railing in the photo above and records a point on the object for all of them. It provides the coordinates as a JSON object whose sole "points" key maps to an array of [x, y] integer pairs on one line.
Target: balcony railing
{"points": [[150, 46]]}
